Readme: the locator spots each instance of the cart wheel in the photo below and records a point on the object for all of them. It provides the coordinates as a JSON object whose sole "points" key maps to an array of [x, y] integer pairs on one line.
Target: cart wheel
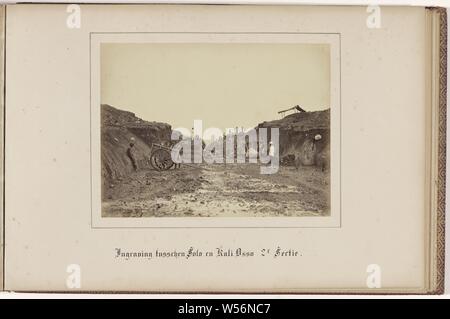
{"points": [[161, 160]]}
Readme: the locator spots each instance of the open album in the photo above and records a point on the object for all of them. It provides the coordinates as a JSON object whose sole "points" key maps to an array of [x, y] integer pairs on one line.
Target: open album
{"points": [[223, 149]]}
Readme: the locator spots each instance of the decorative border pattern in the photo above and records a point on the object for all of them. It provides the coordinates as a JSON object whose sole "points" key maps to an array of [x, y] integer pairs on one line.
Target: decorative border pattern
{"points": [[442, 151], [2, 144]]}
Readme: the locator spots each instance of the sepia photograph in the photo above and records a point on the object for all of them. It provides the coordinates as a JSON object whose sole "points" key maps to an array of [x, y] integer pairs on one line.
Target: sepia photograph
{"points": [[215, 129], [276, 150]]}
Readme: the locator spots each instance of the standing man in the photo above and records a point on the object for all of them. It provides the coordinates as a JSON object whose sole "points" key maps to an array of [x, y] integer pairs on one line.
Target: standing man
{"points": [[271, 151], [131, 154]]}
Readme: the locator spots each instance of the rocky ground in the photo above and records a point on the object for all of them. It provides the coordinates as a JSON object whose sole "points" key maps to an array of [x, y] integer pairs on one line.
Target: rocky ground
{"points": [[217, 190]]}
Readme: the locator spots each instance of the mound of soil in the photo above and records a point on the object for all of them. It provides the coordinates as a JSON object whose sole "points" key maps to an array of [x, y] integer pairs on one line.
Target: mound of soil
{"points": [[297, 132], [118, 129]]}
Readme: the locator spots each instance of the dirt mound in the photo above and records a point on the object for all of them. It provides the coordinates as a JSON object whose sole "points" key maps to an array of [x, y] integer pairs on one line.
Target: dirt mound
{"points": [[120, 128], [297, 132]]}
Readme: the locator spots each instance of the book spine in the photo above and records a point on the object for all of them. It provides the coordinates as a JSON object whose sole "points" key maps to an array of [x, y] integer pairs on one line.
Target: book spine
{"points": [[442, 150], [437, 151]]}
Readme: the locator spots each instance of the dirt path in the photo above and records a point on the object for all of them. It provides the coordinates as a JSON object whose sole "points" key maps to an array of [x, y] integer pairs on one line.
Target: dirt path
{"points": [[220, 191]]}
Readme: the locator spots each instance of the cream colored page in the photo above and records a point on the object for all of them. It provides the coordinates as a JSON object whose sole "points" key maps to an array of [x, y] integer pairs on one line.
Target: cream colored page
{"points": [[382, 156]]}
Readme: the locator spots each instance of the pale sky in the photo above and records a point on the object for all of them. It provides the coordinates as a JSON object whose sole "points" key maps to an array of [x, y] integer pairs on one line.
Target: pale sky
{"points": [[225, 85]]}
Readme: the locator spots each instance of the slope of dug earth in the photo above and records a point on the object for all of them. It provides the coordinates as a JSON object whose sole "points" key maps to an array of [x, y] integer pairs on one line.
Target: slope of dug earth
{"points": [[118, 129], [297, 132]]}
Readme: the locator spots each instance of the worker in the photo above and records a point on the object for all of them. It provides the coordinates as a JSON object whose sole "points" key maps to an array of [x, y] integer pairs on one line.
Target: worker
{"points": [[177, 162], [271, 151], [131, 156]]}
